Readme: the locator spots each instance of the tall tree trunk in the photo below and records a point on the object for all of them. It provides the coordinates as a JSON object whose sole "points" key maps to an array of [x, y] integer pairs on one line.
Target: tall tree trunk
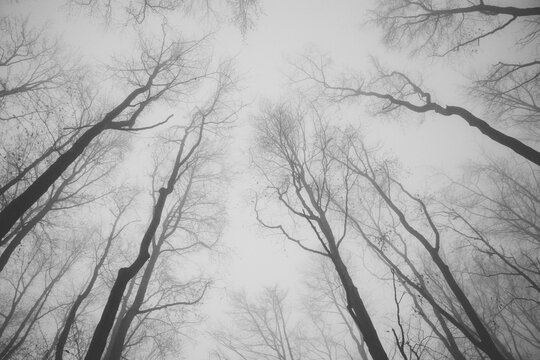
{"points": [[118, 340], [121, 313], [103, 328], [358, 310]]}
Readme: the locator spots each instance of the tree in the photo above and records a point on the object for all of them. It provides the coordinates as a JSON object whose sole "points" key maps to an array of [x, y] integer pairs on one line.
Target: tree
{"points": [[242, 13], [159, 72], [186, 149], [30, 287], [71, 315], [495, 213], [272, 325], [509, 91], [430, 24], [72, 191], [301, 183], [388, 188], [30, 68], [508, 88], [396, 90], [265, 329], [180, 234], [326, 296]]}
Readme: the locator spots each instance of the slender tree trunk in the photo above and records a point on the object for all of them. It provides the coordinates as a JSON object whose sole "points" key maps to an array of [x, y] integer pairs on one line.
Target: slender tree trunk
{"points": [[31, 317], [118, 338]]}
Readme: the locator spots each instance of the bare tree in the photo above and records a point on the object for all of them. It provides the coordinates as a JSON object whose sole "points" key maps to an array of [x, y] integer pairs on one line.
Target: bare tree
{"points": [[510, 93], [31, 293], [270, 326], [159, 72], [242, 13], [493, 210], [72, 191], [187, 147], [30, 68], [266, 330], [327, 296], [71, 315], [430, 23], [32, 142], [185, 215], [302, 184], [422, 228], [395, 90]]}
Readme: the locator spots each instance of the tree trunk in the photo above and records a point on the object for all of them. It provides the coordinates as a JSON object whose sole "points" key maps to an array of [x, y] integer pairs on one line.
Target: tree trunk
{"points": [[117, 342], [358, 311], [103, 328]]}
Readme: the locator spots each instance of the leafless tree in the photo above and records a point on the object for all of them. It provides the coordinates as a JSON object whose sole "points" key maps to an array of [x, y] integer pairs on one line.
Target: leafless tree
{"points": [[29, 68], [189, 213], [428, 24], [265, 329], [242, 13], [158, 73], [72, 191], [494, 210], [510, 92], [71, 315], [30, 287], [326, 296], [187, 145], [298, 173], [270, 326], [420, 224], [394, 90]]}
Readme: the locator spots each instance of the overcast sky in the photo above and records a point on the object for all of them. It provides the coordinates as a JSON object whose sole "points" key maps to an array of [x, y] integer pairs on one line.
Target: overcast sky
{"points": [[285, 30]]}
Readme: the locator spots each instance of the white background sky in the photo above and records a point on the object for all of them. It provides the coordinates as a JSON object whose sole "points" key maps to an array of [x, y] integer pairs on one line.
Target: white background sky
{"points": [[285, 30]]}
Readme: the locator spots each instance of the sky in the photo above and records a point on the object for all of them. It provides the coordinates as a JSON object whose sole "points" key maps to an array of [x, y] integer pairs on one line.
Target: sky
{"points": [[285, 30]]}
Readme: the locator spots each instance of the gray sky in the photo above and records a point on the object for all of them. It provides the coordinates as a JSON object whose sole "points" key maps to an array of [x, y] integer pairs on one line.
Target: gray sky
{"points": [[285, 30]]}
